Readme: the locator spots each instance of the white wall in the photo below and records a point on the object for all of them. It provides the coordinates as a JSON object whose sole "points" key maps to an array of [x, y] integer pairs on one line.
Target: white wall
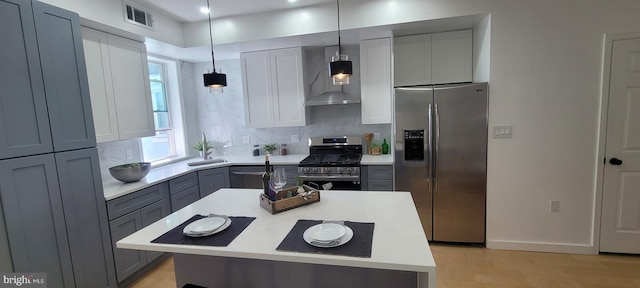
{"points": [[110, 13], [545, 70]]}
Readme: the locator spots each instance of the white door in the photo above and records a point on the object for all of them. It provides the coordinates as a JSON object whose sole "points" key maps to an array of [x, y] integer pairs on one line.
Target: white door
{"points": [[621, 194]]}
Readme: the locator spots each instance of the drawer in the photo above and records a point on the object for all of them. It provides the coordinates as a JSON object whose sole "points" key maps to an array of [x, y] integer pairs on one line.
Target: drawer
{"points": [[184, 198], [380, 185], [183, 182], [136, 200], [382, 172]]}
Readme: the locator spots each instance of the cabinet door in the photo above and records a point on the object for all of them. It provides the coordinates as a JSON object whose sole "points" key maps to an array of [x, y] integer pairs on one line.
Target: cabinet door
{"points": [[452, 54], [85, 213], [65, 77], [375, 81], [183, 182], [211, 180], [184, 198], [153, 213], [127, 261], [130, 76], [24, 128], [288, 87], [103, 105], [258, 93], [34, 217], [412, 60]]}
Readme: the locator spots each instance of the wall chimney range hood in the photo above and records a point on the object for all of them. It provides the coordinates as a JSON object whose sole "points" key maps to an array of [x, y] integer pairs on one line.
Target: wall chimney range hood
{"points": [[332, 95]]}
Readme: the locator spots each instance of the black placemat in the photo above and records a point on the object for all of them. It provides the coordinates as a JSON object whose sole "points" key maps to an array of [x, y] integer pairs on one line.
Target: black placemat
{"points": [[358, 246], [223, 238]]}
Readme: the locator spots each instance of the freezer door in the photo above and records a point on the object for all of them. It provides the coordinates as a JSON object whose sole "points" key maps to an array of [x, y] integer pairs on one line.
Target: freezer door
{"points": [[460, 161], [413, 109]]}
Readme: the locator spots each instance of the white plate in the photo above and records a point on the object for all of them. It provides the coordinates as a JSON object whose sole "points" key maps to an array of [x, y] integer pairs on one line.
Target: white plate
{"points": [[204, 225], [346, 238], [326, 232], [220, 229]]}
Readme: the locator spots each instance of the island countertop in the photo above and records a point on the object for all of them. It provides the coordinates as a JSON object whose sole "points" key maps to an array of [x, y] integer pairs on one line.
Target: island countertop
{"points": [[399, 242]]}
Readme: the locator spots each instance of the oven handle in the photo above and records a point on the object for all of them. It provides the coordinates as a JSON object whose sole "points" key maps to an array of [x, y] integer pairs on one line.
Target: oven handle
{"points": [[248, 173], [322, 178]]}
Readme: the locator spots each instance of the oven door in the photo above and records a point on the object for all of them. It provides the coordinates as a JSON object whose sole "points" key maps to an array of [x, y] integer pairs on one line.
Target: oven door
{"points": [[335, 182]]}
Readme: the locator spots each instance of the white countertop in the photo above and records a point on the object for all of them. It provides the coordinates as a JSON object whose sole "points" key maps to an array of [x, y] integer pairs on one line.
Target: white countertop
{"points": [[399, 242], [113, 188]]}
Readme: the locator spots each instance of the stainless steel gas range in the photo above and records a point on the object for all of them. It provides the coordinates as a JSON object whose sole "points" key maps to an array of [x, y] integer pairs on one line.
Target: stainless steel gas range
{"points": [[332, 162]]}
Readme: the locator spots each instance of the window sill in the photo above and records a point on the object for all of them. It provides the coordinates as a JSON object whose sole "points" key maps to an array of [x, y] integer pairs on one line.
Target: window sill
{"points": [[167, 161]]}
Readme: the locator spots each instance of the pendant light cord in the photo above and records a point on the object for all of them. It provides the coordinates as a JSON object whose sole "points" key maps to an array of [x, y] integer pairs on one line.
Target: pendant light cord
{"points": [[213, 60], [339, 50]]}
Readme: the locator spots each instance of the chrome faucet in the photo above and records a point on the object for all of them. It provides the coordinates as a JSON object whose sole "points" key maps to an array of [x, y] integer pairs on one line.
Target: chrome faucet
{"points": [[205, 147]]}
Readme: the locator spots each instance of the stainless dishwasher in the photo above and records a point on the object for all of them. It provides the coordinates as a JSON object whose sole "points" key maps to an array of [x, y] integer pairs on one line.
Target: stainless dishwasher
{"points": [[246, 177]]}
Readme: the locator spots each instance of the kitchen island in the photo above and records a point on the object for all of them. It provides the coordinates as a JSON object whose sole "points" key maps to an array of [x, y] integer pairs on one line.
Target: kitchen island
{"points": [[399, 253]]}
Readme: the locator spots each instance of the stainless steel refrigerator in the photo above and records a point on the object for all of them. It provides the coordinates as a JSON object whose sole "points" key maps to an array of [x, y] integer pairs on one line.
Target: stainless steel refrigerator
{"points": [[441, 157]]}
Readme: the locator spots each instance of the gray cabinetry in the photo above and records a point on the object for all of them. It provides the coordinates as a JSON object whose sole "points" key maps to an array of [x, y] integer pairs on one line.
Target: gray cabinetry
{"points": [[377, 177], [23, 109], [86, 218], [34, 218], [45, 90], [131, 213], [184, 191], [65, 77], [213, 179]]}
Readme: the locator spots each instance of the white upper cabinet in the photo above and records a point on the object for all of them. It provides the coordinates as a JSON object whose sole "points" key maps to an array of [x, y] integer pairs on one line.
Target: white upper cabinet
{"points": [[451, 57], [375, 81], [119, 86], [438, 58], [412, 60], [273, 87]]}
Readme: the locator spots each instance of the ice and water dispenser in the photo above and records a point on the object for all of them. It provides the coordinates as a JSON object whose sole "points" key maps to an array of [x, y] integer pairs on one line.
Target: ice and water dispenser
{"points": [[413, 145]]}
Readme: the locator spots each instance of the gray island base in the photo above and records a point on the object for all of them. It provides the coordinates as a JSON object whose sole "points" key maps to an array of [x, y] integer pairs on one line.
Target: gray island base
{"points": [[214, 272], [400, 254]]}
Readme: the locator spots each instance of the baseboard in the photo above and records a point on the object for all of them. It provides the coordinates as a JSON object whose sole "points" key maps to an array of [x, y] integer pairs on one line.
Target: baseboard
{"points": [[541, 247]]}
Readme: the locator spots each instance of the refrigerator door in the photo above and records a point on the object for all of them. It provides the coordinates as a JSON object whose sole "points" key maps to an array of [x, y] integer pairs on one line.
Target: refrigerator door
{"points": [[460, 161], [412, 172]]}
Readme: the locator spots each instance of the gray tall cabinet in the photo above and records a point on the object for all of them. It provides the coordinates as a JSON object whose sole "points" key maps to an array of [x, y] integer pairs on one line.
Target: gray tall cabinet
{"points": [[52, 204]]}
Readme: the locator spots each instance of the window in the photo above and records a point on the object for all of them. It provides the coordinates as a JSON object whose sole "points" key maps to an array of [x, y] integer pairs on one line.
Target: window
{"points": [[165, 144]]}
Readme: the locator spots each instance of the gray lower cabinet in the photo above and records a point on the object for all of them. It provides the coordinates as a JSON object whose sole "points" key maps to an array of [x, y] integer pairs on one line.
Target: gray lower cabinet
{"points": [[34, 218], [377, 177], [213, 179], [131, 213], [85, 214], [184, 190]]}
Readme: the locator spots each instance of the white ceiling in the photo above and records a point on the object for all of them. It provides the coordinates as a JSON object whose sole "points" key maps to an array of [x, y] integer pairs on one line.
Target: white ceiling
{"points": [[189, 10]]}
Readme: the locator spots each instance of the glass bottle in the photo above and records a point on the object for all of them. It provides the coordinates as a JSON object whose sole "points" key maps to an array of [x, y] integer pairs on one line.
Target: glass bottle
{"points": [[385, 147]]}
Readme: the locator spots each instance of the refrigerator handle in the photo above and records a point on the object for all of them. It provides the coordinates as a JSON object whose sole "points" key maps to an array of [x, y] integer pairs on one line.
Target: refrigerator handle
{"points": [[437, 145], [430, 147]]}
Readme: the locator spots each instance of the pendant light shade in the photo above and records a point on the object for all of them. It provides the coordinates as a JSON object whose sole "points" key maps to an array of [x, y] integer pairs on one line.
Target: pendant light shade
{"points": [[340, 68], [213, 79]]}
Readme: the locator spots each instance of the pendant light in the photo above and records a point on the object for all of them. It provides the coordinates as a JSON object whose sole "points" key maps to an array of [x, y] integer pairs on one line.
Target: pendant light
{"points": [[213, 79], [340, 68]]}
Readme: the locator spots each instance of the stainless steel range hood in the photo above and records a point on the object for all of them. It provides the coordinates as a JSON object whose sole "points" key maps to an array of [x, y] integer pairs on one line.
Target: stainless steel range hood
{"points": [[332, 98], [333, 95]]}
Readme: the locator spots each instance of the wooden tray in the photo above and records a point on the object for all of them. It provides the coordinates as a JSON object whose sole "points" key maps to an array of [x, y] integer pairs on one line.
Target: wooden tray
{"points": [[283, 203]]}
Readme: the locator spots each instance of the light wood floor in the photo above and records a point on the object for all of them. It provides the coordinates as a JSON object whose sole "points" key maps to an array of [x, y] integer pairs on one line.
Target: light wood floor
{"points": [[474, 267]]}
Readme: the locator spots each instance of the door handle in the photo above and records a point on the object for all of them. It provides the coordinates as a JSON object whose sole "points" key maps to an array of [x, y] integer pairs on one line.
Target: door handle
{"points": [[615, 161]]}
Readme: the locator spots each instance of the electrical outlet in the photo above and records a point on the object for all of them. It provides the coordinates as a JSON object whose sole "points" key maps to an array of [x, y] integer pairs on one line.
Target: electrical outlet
{"points": [[554, 206], [295, 138], [376, 136], [129, 154], [246, 140], [503, 131]]}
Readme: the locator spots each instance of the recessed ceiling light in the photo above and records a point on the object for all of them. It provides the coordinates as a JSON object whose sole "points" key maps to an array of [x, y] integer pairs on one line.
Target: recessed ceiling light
{"points": [[204, 10], [292, 1]]}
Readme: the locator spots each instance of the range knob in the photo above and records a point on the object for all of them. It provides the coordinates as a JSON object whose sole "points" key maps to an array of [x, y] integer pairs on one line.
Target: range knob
{"points": [[305, 169], [314, 170]]}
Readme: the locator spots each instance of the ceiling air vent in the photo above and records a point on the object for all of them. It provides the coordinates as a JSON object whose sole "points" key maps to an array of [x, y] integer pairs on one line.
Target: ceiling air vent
{"points": [[138, 16]]}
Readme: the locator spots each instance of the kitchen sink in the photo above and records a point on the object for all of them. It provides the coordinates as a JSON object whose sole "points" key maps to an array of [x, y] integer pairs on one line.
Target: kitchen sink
{"points": [[205, 162]]}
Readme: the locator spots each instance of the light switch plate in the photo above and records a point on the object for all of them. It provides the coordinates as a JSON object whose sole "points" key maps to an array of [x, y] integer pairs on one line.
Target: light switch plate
{"points": [[295, 138], [502, 131], [246, 140]]}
